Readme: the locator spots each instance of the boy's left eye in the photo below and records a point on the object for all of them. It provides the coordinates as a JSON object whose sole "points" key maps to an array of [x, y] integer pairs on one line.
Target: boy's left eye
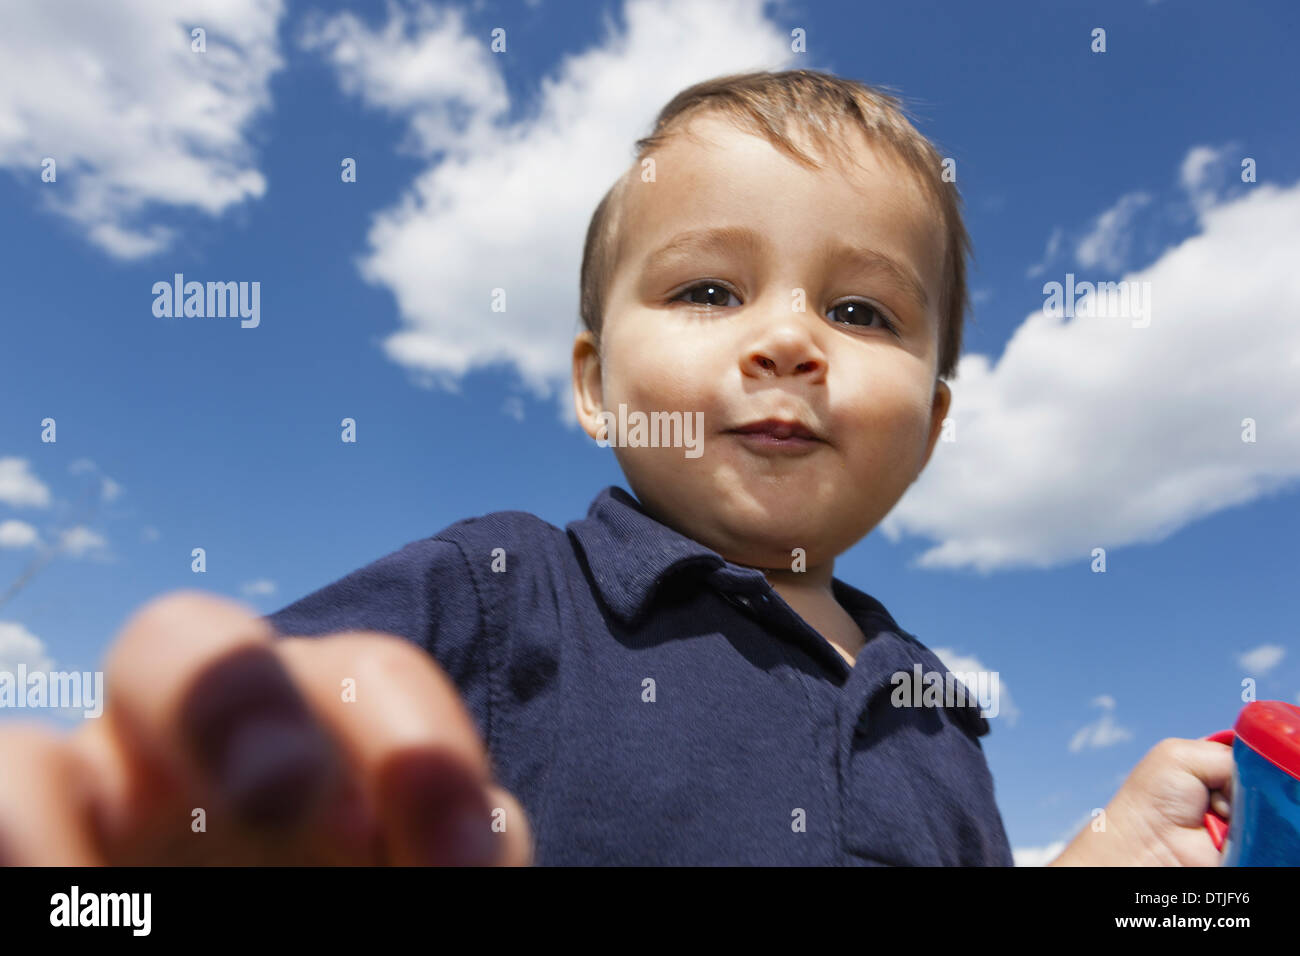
{"points": [[859, 312]]}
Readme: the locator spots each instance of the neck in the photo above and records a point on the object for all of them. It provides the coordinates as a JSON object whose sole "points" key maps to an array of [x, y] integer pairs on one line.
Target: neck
{"points": [[811, 583]]}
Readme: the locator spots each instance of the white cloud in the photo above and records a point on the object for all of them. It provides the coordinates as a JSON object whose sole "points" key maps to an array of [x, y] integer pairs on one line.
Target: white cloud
{"points": [[1103, 732], [258, 588], [428, 69], [507, 205], [17, 534], [111, 489], [1054, 243], [137, 117], [967, 663], [1042, 855], [1204, 169], [19, 487], [1107, 245], [1038, 855], [80, 541], [20, 646], [1260, 660], [514, 407], [149, 533], [1089, 432]]}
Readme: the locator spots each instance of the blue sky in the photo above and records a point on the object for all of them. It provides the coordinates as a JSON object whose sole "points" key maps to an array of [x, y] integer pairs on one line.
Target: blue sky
{"points": [[478, 170]]}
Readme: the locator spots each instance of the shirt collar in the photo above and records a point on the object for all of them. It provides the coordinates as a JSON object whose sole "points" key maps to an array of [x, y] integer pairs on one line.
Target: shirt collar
{"points": [[630, 553]]}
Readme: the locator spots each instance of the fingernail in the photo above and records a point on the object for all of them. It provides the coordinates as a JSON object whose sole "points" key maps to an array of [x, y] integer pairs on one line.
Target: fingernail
{"points": [[449, 819], [252, 734], [464, 837], [272, 770], [444, 814]]}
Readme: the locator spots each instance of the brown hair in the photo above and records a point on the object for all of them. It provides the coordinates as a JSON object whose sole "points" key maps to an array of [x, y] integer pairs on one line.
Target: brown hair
{"points": [[766, 103]]}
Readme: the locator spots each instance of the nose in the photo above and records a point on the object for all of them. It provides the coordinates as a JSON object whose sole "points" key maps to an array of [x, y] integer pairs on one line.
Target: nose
{"points": [[784, 348]]}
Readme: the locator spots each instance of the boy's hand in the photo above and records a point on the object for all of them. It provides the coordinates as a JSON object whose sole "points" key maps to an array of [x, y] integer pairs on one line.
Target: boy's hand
{"points": [[221, 745], [1157, 817]]}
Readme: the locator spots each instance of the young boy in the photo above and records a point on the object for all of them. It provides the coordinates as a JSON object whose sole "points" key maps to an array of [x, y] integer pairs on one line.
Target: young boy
{"points": [[678, 678]]}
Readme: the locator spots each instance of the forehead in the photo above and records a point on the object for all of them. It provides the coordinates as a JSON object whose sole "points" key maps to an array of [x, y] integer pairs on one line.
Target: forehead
{"points": [[711, 173]]}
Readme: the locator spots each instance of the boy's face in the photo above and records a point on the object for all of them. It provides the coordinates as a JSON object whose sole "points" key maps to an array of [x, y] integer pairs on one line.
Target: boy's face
{"points": [[743, 352]]}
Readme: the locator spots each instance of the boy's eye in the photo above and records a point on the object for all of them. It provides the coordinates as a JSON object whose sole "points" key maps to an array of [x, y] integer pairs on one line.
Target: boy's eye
{"points": [[708, 293], [859, 312]]}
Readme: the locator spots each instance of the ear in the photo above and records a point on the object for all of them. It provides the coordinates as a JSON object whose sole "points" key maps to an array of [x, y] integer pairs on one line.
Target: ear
{"points": [[587, 390], [938, 412]]}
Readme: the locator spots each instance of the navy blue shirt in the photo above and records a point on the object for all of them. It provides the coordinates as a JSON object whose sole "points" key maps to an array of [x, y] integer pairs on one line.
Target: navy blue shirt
{"points": [[649, 702]]}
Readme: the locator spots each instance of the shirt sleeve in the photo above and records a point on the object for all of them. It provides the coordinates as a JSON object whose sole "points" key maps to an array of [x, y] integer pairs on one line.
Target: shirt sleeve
{"points": [[424, 593]]}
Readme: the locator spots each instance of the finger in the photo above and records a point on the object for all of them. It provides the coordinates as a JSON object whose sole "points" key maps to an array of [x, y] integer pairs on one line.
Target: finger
{"points": [[45, 807], [403, 728], [216, 752], [1221, 799], [1210, 762]]}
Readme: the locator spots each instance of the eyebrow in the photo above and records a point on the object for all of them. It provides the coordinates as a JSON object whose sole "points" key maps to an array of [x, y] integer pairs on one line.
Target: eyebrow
{"points": [[857, 258]]}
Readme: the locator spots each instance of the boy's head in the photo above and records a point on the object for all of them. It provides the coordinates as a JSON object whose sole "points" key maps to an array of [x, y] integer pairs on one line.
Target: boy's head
{"points": [[829, 290]]}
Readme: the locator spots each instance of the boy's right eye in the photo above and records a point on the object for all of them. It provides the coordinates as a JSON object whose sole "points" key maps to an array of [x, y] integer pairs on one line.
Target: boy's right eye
{"points": [[706, 294]]}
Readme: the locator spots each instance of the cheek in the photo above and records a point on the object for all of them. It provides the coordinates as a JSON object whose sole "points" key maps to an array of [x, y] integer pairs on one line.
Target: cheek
{"points": [[888, 419], [659, 373]]}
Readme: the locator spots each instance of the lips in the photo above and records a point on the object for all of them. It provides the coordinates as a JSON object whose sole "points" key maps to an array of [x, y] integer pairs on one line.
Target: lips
{"points": [[778, 428]]}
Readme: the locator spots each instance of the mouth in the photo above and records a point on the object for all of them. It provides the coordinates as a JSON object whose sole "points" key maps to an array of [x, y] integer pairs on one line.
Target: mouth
{"points": [[778, 436], [778, 428]]}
